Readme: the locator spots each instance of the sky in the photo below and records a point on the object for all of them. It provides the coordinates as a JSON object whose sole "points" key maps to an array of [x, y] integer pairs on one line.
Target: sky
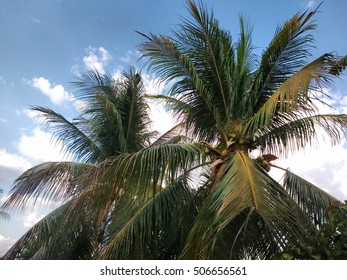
{"points": [[45, 45]]}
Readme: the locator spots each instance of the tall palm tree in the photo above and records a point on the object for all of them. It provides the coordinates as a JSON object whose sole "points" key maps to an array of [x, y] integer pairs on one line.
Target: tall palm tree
{"points": [[247, 111]]}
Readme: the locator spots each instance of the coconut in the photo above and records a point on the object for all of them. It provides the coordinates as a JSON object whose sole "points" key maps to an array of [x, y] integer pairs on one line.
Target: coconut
{"points": [[232, 136], [224, 153], [260, 158], [265, 164]]}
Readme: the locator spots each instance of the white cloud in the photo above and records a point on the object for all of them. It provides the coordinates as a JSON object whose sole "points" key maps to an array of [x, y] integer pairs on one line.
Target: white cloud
{"points": [[311, 4], [36, 20], [75, 70], [161, 118], [5, 244], [130, 56], [2, 80], [38, 147], [152, 85], [56, 93], [31, 219], [96, 59], [13, 161], [3, 120], [325, 165], [117, 74]]}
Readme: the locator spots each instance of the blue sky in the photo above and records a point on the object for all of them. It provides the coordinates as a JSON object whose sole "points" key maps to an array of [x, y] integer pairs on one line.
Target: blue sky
{"points": [[45, 44]]}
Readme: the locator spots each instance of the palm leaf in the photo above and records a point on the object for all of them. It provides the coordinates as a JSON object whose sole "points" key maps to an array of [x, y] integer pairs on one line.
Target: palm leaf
{"points": [[313, 200], [172, 136], [154, 227], [292, 132], [293, 94], [285, 55], [53, 238], [75, 140], [190, 96], [50, 181], [139, 173], [134, 111], [243, 186]]}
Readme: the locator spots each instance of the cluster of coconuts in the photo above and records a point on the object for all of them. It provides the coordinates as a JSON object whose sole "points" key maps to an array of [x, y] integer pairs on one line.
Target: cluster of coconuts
{"points": [[217, 152], [248, 143], [264, 161]]}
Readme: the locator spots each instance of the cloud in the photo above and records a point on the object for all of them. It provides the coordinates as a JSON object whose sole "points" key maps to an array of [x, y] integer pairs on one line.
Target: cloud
{"points": [[130, 56], [324, 165], [5, 244], [162, 119], [2, 80], [30, 219], [11, 166], [3, 120], [56, 93], [13, 161], [36, 20], [311, 4], [75, 70], [40, 146], [96, 59]]}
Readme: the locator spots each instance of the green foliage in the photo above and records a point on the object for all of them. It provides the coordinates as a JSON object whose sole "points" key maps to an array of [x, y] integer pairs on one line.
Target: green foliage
{"points": [[330, 241], [127, 197]]}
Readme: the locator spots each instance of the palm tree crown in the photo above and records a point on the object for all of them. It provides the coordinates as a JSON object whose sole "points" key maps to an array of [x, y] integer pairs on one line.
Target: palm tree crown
{"points": [[113, 120], [229, 97]]}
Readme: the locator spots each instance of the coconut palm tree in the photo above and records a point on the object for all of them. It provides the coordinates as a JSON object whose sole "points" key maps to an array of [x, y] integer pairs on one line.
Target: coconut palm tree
{"points": [[114, 122], [247, 111]]}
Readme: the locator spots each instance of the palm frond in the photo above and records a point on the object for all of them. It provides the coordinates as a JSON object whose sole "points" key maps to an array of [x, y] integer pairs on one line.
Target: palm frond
{"points": [[313, 200], [156, 226], [75, 140], [294, 93], [292, 132], [286, 54], [243, 186], [50, 181], [241, 73], [53, 238], [140, 173], [209, 43], [199, 60], [117, 111], [134, 111], [190, 96], [172, 136]]}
